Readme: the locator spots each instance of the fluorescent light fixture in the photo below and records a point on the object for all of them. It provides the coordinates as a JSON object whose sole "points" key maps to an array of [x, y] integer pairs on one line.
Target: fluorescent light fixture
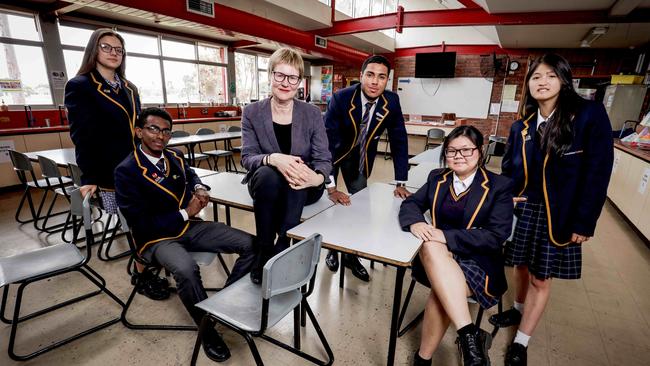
{"points": [[592, 36]]}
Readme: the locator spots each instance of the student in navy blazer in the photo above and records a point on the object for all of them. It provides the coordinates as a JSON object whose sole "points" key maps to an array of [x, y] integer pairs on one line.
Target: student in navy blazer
{"points": [[560, 157], [160, 195], [471, 217], [355, 119], [284, 148]]}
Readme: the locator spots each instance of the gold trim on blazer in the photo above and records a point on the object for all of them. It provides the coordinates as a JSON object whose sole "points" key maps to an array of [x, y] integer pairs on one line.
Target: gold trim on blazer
{"points": [[369, 138], [524, 133], [354, 141], [487, 280], [480, 204], [548, 209], [435, 197], [130, 117]]}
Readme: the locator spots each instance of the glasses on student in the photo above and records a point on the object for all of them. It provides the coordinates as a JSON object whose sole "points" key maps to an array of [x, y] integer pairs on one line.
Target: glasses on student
{"points": [[464, 152], [107, 48], [156, 130], [279, 77]]}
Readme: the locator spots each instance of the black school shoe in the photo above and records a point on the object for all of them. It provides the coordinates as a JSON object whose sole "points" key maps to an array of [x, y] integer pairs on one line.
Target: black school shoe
{"points": [[150, 285], [419, 361], [474, 347], [506, 319], [516, 355], [214, 346]]}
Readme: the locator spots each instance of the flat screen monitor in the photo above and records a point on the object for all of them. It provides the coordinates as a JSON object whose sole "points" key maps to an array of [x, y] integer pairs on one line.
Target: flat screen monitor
{"points": [[435, 65]]}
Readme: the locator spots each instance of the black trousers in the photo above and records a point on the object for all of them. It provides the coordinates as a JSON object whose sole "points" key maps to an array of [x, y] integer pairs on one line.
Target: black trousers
{"points": [[349, 167], [202, 236], [277, 207]]}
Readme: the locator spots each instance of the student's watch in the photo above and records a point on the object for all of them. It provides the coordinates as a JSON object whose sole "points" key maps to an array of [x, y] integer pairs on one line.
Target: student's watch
{"points": [[400, 184]]}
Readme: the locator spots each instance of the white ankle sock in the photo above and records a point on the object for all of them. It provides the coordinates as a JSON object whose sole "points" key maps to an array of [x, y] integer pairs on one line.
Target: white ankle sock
{"points": [[519, 306], [521, 338]]}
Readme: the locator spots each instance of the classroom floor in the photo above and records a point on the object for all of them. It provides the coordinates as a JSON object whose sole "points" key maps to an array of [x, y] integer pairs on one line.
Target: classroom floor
{"points": [[602, 319]]}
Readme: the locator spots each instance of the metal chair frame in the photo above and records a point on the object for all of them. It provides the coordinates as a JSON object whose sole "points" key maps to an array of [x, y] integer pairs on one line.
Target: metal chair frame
{"points": [[217, 153], [80, 208]]}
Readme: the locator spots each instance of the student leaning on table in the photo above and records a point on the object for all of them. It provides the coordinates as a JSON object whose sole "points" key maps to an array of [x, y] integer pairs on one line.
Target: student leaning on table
{"points": [[284, 148], [102, 107], [471, 214], [560, 157]]}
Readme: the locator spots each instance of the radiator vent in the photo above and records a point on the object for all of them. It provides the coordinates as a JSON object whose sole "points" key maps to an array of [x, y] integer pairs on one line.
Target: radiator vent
{"points": [[203, 7]]}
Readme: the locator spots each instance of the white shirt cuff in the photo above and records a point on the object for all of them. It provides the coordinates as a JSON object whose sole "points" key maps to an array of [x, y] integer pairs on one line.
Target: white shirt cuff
{"points": [[199, 186], [184, 214], [332, 183]]}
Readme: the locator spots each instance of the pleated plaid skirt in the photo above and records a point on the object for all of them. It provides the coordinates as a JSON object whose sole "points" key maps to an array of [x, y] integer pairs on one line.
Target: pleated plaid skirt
{"points": [[530, 246]]}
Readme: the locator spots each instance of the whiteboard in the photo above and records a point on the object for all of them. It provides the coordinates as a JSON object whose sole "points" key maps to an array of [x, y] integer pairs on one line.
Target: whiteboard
{"points": [[467, 97]]}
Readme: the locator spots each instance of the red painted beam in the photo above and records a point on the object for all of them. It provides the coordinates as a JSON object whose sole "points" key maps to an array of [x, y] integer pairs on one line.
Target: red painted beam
{"points": [[239, 21], [469, 4], [476, 17], [464, 49], [243, 43]]}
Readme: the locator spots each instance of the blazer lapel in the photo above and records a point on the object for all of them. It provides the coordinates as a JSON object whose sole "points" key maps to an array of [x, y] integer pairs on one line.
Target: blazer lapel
{"points": [[380, 114], [297, 128], [527, 146], [354, 113], [267, 120], [442, 187], [152, 174], [476, 197]]}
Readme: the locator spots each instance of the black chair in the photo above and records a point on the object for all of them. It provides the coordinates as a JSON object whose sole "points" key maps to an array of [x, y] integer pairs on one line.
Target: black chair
{"points": [[419, 275], [55, 182], [217, 153], [187, 156], [434, 138], [201, 258], [24, 170], [234, 149], [45, 263], [384, 138]]}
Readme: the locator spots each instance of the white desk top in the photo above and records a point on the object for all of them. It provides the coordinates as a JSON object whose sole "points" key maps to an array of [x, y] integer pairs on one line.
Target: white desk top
{"points": [[226, 188], [203, 172], [369, 227], [60, 156], [418, 174], [195, 139], [430, 156]]}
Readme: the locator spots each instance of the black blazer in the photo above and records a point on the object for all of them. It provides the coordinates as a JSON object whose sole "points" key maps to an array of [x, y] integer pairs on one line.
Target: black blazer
{"points": [[308, 137], [343, 120], [101, 125], [574, 184], [151, 205], [487, 222]]}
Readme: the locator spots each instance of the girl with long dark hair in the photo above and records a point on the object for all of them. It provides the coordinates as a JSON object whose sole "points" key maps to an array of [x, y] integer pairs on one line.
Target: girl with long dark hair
{"points": [[560, 157]]}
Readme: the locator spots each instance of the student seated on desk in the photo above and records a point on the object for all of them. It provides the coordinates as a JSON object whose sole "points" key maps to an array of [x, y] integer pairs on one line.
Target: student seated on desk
{"points": [[159, 195], [461, 254], [284, 148]]}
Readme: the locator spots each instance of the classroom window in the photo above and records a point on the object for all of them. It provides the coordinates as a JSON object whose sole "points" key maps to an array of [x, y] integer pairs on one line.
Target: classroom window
{"points": [[181, 82], [344, 6], [178, 49], [264, 85], [18, 27], [213, 54], [139, 43], [23, 78], [361, 8], [212, 84], [246, 77], [74, 36], [377, 7], [72, 59], [145, 73]]}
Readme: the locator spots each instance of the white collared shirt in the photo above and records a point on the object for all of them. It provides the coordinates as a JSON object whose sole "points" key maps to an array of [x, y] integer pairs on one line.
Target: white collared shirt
{"points": [[461, 186], [541, 119], [365, 100]]}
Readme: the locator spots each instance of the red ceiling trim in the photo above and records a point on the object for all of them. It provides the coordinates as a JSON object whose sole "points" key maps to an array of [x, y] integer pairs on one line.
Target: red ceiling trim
{"points": [[465, 49], [246, 23], [243, 44], [469, 4], [476, 17]]}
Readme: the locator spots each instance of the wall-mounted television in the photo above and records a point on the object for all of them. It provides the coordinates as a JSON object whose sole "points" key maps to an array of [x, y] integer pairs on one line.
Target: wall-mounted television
{"points": [[435, 65]]}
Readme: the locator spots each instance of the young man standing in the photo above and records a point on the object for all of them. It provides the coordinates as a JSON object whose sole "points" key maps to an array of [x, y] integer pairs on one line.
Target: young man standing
{"points": [[355, 119]]}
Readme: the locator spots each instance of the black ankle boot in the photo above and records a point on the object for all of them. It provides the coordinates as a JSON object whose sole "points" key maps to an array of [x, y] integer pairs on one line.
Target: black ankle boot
{"points": [[473, 346], [419, 361]]}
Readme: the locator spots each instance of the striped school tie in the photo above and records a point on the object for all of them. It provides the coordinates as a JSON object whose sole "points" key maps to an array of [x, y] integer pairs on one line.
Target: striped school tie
{"points": [[161, 165], [365, 121]]}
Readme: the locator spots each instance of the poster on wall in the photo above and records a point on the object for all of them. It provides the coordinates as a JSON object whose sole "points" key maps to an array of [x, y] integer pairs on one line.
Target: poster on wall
{"points": [[326, 83], [5, 146]]}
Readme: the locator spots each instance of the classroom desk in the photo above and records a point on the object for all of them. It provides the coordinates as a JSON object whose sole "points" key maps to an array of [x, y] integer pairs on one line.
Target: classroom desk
{"points": [[62, 157], [368, 228], [226, 189], [418, 174], [427, 156], [191, 141]]}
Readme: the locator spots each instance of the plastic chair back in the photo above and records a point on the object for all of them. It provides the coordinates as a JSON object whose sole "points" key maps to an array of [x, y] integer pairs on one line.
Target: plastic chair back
{"points": [[123, 223], [435, 133], [80, 207], [234, 129], [20, 161], [204, 131], [75, 174], [180, 133], [49, 169], [292, 268]]}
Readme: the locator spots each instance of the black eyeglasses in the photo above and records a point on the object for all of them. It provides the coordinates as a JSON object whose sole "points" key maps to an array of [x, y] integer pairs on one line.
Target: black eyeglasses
{"points": [[464, 152], [107, 48], [156, 130], [279, 77]]}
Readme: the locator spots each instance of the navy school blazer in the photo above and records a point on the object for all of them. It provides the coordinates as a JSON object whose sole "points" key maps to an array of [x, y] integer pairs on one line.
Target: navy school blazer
{"points": [[308, 136], [101, 125], [574, 184], [487, 221], [149, 201], [343, 121]]}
